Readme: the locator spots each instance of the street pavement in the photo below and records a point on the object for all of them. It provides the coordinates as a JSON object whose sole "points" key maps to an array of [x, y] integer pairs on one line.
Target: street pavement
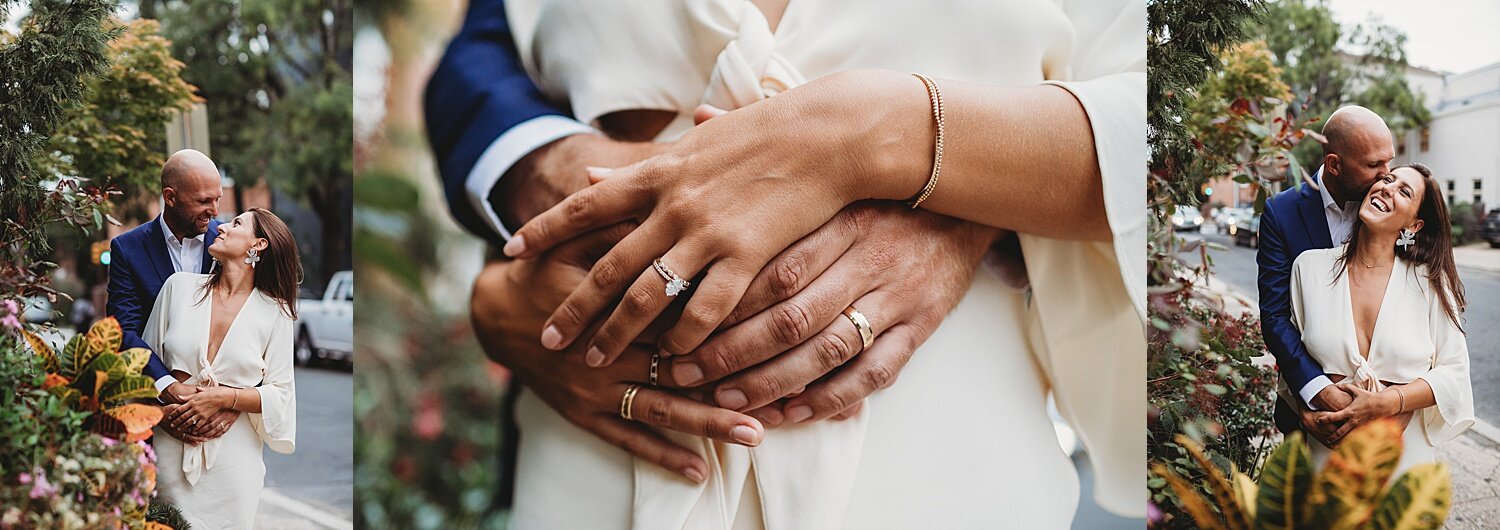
{"points": [[1474, 457], [315, 483]]}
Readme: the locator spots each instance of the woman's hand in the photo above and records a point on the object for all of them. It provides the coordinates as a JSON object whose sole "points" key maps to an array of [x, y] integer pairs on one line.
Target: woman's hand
{"points": [[780, 169], [200, 414], [1367, 406], [511, 300]]}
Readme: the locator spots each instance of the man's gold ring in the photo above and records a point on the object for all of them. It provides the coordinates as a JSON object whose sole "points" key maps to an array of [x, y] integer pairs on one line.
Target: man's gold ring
{"points": [[866, 335], [628, 400]]}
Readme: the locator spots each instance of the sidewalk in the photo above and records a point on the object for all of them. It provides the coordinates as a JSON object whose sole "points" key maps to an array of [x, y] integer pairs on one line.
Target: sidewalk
{"points": [[284, 513], [1477, 256], [1474, 460]]}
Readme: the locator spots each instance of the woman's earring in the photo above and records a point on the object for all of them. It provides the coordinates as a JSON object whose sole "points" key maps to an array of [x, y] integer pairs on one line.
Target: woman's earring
{"points": [[1408, 237], [252, 258]]}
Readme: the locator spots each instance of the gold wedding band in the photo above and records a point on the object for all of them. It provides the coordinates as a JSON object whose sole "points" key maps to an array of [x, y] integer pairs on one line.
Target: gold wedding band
{"points": [[628, 400], [866, 335], [655, 362]]}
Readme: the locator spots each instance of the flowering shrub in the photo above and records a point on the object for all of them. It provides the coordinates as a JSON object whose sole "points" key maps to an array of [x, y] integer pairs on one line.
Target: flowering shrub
{"points": [[54, 473]]}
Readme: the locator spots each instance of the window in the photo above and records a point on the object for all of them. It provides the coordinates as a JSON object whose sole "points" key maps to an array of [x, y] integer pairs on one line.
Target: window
{"points": [[1449, 192], [1426, 137], [1401, 146], [1478, 192]]}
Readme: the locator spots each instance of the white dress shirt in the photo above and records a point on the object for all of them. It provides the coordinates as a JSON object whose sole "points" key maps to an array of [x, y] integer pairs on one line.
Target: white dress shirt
{"points": [[1340, 221], [187, 255], [508, 149]]}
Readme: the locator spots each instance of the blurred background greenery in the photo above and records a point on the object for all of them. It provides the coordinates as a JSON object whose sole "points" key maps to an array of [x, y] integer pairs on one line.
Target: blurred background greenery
{"points": [[427, 402]]}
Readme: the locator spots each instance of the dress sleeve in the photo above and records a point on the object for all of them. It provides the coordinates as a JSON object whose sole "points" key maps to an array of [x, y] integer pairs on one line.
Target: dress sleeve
{"points": [[1087, 311], [1449, 378], [156, 324], [277, 421]]}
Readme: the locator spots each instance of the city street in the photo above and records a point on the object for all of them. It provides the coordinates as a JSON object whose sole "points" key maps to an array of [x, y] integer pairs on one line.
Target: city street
{"points": [[321, 471], [1235, 266]]}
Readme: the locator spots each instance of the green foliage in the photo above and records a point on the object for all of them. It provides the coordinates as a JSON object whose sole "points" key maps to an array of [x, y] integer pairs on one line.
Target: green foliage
{"points": [[276, 77], [1306, 42], [1467, 220], [44, 68], [1349, 493], [168, 515], [54, 473], [116, 134], [93, 377]]}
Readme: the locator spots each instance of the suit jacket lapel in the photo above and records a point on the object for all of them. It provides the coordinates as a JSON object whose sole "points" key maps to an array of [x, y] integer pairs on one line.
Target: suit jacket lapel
{"points": [[1310, 204], [156, 248]]}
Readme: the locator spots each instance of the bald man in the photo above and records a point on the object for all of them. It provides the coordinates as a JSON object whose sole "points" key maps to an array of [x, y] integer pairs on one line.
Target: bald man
{"points": [[176, 241], [1317, 214]]}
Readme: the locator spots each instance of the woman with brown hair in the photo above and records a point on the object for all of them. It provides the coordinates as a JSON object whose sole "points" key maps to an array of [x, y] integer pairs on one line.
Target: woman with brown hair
{"points": [[1382, 315], [229, 333]]}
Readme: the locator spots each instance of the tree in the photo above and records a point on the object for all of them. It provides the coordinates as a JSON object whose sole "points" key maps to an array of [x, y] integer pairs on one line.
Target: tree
{"points": [[61, 45], [116, 134], [276, 75], [1306, 41]]}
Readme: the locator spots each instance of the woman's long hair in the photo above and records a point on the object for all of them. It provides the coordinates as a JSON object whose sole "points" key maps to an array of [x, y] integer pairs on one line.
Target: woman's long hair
{"points": [[1434, 247], [277, 273]]}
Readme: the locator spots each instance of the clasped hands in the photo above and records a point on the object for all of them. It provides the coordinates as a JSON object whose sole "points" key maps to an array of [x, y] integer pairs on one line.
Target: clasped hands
{"points": [[196, 414], [760, 340], [1344, 407]]}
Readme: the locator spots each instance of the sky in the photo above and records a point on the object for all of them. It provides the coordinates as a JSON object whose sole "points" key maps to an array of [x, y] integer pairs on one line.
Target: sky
{"points": [[1454, 36]]}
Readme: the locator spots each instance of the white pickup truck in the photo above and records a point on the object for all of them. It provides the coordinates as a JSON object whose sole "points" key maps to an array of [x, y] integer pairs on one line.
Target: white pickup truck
{"points": [[325, 327]]}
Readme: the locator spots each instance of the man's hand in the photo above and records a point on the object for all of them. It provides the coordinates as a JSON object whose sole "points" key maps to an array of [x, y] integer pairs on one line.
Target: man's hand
{"points": [[170, 411], [1366, 406], [178, 393], [512, 299], [1332, 398], [549, 174], [903, 269]]}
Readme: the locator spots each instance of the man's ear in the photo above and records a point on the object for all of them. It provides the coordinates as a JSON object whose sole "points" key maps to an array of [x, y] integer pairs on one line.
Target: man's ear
{"points": [[169, 197], [1332, 164]]}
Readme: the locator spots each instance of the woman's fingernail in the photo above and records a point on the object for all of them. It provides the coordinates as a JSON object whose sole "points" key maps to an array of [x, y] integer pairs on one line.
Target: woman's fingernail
{"points": [[595, 358], [745, 435], [693, 473], [798, 413], [686, 373], [515, 246], [732, 399], [599, 173], [552, 338]]}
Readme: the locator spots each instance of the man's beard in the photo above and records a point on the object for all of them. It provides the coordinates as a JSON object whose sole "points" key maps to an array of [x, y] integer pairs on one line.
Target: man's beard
{"points": [[188, 225]]}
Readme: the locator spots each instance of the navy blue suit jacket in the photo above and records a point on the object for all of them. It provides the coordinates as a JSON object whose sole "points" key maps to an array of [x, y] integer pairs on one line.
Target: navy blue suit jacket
{"points": [[1292, 223], [139, 265], [479, 90]]}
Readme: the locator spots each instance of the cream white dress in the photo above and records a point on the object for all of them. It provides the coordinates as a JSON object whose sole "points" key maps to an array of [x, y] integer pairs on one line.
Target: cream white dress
{"points": [[217, 484], [1413, 339], [963, 438]]}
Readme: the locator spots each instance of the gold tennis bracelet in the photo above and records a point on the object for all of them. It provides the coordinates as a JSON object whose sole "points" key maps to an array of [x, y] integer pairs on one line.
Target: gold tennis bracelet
{"points": [[937, 152]]}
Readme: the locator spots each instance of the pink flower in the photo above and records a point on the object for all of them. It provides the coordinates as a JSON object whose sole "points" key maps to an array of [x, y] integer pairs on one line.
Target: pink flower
{"points": [[42, 488], [25, 478], [109, 442]]}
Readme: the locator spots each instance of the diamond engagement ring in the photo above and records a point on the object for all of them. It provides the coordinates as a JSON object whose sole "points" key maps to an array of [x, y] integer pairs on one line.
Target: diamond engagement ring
{"points": [[675, 283]]}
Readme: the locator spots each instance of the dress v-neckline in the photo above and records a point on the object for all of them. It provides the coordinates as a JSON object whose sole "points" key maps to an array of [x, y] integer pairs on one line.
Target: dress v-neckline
{"points": [[1379, 309], [209, 357]]}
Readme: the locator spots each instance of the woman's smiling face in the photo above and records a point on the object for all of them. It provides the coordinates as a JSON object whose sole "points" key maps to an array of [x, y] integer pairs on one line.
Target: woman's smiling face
{"points": [[237, 237], [1393, 201]]}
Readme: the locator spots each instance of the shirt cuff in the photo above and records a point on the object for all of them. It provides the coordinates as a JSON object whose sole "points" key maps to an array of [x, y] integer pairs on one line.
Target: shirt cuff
{"points": [[164, 382], [1312, 388], [508, 149]]}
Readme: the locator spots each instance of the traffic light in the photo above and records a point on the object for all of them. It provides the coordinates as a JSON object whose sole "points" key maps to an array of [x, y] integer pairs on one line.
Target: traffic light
{"points": [[100, 251]]}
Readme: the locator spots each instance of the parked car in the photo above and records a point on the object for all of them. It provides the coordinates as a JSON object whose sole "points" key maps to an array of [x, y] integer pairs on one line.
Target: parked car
{"points": [[38, 310], [1492, 228], [1186, 219], [1228, 219], [325, 325], [1247, 232]]}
